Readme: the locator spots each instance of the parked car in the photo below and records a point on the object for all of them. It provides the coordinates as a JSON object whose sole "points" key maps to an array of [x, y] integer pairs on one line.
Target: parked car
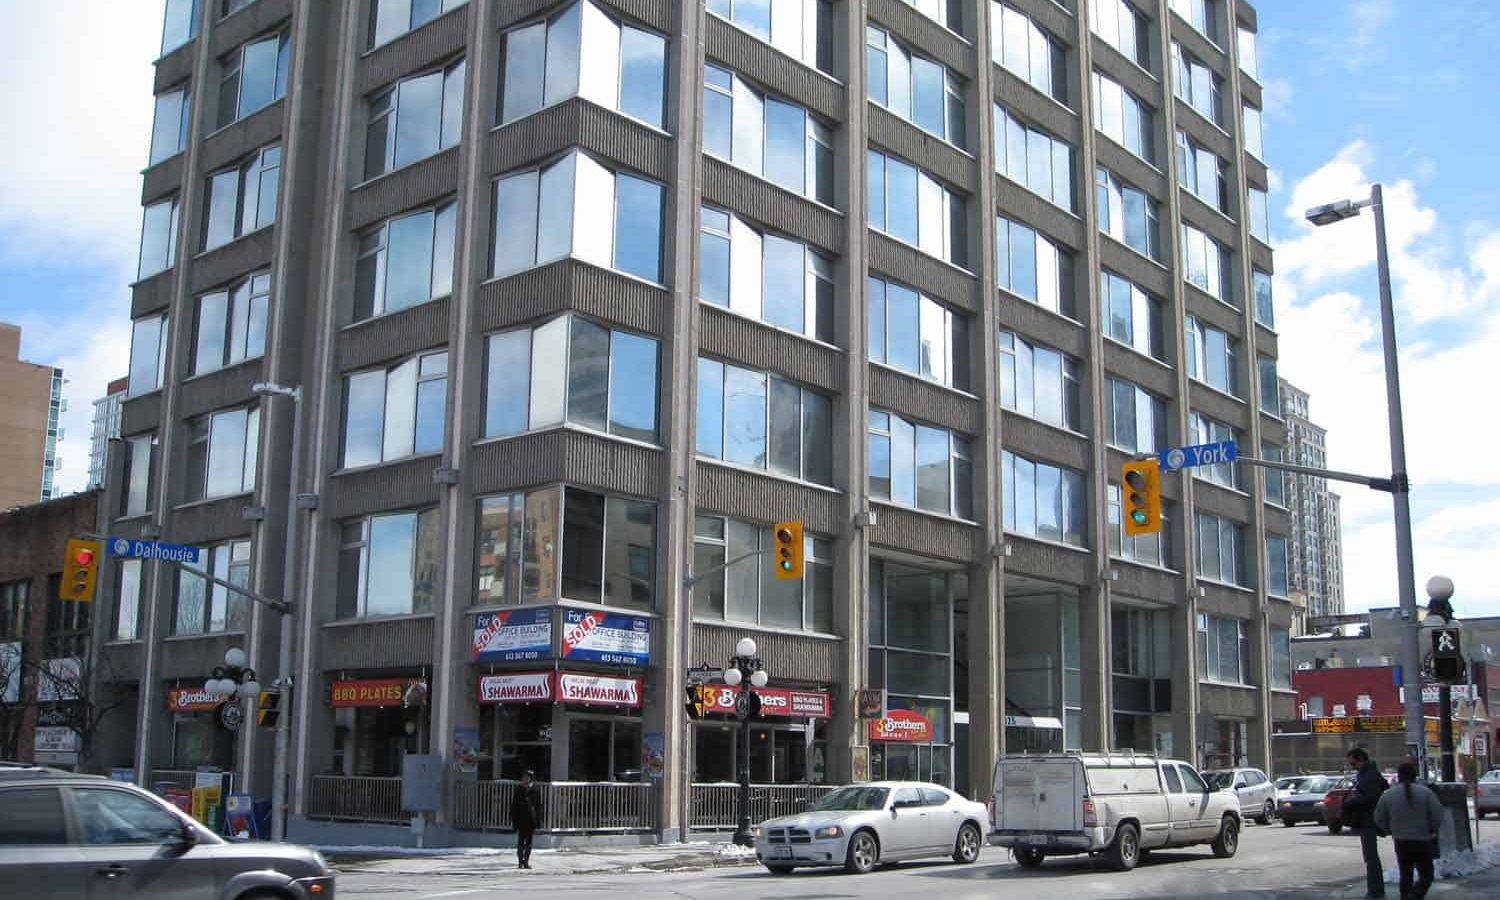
{"points": [[1487, 794], [1333, 804], [1120, 806], [68, 836], [862, 825], [1287, 785], [1256, 792], [1304, 800]]}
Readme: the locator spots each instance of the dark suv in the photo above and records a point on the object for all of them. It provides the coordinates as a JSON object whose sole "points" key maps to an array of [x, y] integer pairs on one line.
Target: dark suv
{"points": [[64, 835]]}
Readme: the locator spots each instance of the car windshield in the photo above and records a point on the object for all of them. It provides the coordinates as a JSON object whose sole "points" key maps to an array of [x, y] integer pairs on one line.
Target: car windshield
{"points": [[848, 799], [1492, 775], [1317, 784], [1218, 781]]}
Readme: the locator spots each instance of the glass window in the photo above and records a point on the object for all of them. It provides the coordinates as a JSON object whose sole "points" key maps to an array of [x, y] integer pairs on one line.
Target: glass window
{"points": [[571, 368], [229, 326], [1123, 28], [128, 600], [1027, 155], [1206, 264], [1130, 315], [389, 19], [1136, 419], [920, 466], [547, 214], [1203, 15], [909, 204], [242, 199], [397, 412], [180, 24], [1204, 430], [1260, 215], [1032, 267], [583, 52], [1281, 658], [404, 261], [1275, 481], [947, 13], [1028, 51], [1212, 356], [916, 334], [1270, 391], [1124, 117], [169, 126], [770, 137], [759, 420], [148, 354], [913, 87], [158, 238], [1197, 85], [1276, 582], [139, 479], [1202, 172], [765, 276], [413, 119], [1040, 382], [203, 607], [388, 564], [607, 547], [1265, 309], [1043, 500], [751, 593], [1254, 135], [253, 77], [222, 451], [802, 29], [1152, 549], [1127, 214], [1221, 555]]}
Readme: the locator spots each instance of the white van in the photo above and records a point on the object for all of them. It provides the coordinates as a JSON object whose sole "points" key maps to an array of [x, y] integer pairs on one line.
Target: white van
{"points": [[1118, 805]]}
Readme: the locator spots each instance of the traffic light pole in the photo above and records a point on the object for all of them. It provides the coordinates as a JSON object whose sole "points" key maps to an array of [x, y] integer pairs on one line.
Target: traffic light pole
{"points": [[1445, 730]]}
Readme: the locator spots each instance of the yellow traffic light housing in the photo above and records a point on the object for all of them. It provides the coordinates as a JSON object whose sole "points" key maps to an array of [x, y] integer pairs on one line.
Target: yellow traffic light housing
{"points": [[1140, 489], [695, 702], [787, 553], [80, 570], [268, 708]]}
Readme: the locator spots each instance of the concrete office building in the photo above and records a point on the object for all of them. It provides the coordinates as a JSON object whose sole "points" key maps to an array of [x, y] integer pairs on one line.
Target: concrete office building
{"points": [[1315, 555], [105, 428], [583, 296], [30, 404]]}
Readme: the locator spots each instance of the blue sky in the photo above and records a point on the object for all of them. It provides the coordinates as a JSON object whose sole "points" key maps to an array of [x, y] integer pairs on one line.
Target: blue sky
{"points": [[1356, 91]]}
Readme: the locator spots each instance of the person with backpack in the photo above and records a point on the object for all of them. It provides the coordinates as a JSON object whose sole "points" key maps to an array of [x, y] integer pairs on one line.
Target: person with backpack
{"points": [[1412, 816], [1359, 814]]}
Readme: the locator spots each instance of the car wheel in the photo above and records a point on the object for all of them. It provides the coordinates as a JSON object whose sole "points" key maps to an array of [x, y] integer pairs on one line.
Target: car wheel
{"points": [[1228, 840], [1335, 827], [863, 855], [779, 870], [966, 848], [1125, 852], [1028, 858], [1288, 822], [1266, 814]]}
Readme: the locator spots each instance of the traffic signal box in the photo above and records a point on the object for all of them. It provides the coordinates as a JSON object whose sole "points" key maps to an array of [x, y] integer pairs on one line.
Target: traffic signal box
{"points": [[695, 701], [1140, 487], [268, 709], [788, 550], [80, 570]]}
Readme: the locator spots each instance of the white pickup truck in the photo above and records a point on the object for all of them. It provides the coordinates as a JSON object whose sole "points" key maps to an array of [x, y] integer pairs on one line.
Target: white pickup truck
{"points": [[1118, 805]]}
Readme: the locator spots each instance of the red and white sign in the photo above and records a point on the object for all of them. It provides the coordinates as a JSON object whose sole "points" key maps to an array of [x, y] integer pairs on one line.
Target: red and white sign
{"points": [[192, 700], [719, 698], [522, 687], [598, 690], [902, 725]]}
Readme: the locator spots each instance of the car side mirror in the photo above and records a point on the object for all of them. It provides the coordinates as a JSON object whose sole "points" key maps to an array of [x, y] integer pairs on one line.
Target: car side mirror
{"points": [[893, 810], [1238, 785], [184, 838]]}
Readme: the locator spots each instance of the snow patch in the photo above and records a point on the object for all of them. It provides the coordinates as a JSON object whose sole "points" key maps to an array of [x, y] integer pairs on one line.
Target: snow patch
{"points": [[372, 850], [1463, 864]]}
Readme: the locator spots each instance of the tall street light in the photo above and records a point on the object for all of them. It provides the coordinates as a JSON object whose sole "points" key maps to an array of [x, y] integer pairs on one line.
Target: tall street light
{"points": [[1411, 653], [280, 765], [743, 667]]}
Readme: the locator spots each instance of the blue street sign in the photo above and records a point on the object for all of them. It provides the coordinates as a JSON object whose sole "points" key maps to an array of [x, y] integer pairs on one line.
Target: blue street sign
{"points": [[134, 549], [1214, 454]]}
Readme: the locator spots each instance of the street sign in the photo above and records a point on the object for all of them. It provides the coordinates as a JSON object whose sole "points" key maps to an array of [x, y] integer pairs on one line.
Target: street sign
{"points": [[705, 674], [136, 549], [1213, 454]]}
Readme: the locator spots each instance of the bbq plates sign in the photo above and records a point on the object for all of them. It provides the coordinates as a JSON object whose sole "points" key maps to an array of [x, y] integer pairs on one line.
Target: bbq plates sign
{"points": [[594, 636]]}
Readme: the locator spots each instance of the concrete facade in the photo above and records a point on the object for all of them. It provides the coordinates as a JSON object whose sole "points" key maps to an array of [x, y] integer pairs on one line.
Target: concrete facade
{"points": [[1315, 553], [1004, 626], [30, 403]]}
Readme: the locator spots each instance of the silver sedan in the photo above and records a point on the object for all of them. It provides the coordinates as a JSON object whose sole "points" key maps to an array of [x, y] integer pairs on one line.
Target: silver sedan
{"points": [[860, 826]]}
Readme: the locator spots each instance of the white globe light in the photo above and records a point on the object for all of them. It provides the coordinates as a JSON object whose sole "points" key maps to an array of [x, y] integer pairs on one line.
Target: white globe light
{"points": [[234, 658], [230, 687], [251, 688], [759, 678], [211, 686], [746, 647], [732, 677], [1440, 587]]}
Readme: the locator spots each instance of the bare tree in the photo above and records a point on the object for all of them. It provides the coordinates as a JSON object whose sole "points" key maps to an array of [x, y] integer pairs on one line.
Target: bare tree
{"points": [[74, 692]]}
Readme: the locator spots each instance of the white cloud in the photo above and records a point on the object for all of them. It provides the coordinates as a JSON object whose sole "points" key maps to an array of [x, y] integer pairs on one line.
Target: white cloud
{"points": [[1462, 543], [1369, 17]]}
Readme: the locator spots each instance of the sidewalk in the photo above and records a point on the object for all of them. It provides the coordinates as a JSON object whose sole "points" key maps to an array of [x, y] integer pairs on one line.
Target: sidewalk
{"points": [[484, 861]]}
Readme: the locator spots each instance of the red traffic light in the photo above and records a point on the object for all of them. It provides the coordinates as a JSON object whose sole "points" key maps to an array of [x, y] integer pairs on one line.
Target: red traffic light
{"points": [[83, 557]]}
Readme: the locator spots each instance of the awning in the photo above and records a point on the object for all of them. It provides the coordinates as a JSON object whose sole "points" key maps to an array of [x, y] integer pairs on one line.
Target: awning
{"points": [[1033, 722]]}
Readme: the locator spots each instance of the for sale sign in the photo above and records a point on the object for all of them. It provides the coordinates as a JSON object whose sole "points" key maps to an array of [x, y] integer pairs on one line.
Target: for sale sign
{"points": [[512, 635], [590, 635]]}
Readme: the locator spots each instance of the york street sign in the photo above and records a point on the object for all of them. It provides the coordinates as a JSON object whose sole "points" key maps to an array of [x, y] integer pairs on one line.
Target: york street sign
{"points": [[704, 674], [134, 549], [1213, 454]]}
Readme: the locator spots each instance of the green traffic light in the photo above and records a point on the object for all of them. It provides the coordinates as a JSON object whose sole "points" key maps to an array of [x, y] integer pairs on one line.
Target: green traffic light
{"points": [[786, 565], [1138, 517]]}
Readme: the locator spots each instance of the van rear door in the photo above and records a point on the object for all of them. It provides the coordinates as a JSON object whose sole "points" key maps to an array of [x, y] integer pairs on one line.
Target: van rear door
{"points": [[1039, 795]]}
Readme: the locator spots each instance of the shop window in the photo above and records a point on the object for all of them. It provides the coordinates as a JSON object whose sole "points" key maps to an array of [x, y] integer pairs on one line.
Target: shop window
{"points": [[604, 750], [515, 740]]}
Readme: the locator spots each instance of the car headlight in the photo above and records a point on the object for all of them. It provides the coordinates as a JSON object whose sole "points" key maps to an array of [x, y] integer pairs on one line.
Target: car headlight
{"points": [[828, 831], [755, 831], [1317, 803], [1286, 804]]}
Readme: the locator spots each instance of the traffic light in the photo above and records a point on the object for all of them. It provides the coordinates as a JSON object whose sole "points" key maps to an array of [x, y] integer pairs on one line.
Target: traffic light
{"points": [[788, 550], [268, 709], [80, 570], [695, 701], [1141, 490]]}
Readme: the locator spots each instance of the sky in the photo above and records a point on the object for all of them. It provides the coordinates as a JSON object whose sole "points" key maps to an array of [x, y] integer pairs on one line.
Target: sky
{"points": [[1356, 91]]}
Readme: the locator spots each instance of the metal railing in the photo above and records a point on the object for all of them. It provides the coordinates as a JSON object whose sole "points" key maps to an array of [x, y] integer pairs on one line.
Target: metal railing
{"points": [[357, 798], [567, 806], [183, 779], [714, 806]]}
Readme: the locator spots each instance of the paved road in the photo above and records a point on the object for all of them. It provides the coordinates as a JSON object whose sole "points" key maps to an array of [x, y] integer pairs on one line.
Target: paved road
{"points": [[1272, 862]]}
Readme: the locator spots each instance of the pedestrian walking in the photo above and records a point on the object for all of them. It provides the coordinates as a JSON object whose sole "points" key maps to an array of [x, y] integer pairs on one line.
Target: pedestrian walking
{"points": [[525, 817], [1412, 815], [1359, 814]]}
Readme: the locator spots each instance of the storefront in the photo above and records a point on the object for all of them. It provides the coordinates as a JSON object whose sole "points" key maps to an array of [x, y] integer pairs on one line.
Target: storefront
{"points": [[788, 744], [911, 660], [203, 729], [378, 721], [562, 726]]}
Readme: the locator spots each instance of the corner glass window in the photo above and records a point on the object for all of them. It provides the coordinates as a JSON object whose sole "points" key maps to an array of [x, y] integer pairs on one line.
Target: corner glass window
{"points": [[404, 261], [229, 326], [397, 412], [1274, 480], [583, 52], [770, 137], [912, 206], [608, 549], [414, 119], [914, 333], [158, 238], [389, 19], [1031, 266], [242, 199], [764, 422], [388, 565], [917, 89], [1040, 382], [170, 124], [222, 451], [253, 77], [1042, 500], [571, 369]]}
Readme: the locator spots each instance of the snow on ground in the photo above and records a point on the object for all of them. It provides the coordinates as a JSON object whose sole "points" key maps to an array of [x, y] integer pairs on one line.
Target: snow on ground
{"points": [[1458, 865]]}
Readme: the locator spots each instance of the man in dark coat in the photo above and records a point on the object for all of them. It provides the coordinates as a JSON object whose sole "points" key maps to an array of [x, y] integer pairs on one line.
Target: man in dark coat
{"points": [[1359, 813], [525, 816]]}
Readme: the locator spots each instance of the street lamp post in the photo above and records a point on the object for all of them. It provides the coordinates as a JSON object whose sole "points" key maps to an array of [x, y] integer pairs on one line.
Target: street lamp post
{"points": [[280, 764], [234, 682], [1439, 591], [745, 666], [1411, 653]]}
